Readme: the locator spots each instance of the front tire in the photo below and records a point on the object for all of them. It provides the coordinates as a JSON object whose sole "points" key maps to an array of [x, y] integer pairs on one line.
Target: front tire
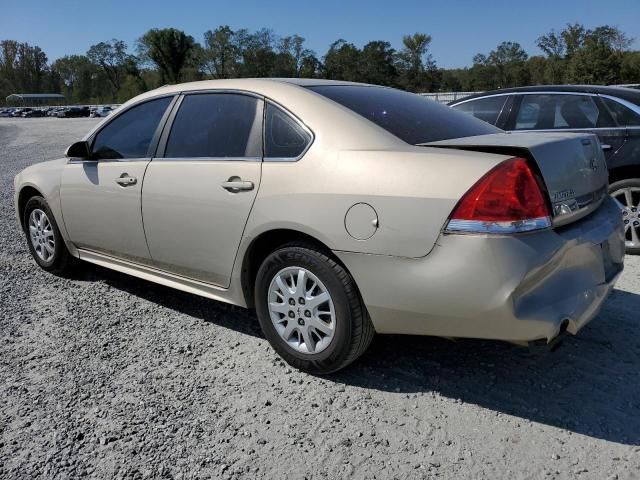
{"points": [[627, 192], [310, 310], [44, 240]]}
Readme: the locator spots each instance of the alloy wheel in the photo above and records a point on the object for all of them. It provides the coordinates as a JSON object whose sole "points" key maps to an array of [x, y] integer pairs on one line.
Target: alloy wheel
{"points": [[629, 197], [41, 235]]}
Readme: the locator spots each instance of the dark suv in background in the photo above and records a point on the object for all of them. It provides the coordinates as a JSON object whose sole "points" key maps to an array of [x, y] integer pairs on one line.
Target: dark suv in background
{"points": [[612, 113]]}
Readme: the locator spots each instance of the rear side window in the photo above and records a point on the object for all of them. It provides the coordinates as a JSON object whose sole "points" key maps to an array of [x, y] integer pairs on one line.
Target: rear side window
{"points": [[129, 134], [284, 137], [551, 111], [486, 109], [624, 116], [216, 125], [408, 116]]}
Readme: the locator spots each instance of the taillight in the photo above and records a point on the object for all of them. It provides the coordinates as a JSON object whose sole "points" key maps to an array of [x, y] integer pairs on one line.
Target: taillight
{"points": [[508, 199]]}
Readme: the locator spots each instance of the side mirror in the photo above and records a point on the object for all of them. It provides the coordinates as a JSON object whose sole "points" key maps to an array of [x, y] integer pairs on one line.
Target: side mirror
{"points": [[78, 150]]}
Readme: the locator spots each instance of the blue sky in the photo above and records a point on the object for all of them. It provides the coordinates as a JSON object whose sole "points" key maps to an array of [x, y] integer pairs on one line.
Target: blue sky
{"points": [[459, 29]]}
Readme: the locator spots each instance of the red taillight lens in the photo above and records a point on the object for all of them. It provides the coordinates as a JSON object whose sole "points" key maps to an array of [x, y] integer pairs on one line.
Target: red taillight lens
{"points": [[508, 199]]}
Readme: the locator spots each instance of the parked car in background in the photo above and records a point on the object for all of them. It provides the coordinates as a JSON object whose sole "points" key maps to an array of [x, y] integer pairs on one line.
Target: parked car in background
{"points": [[72, 112], [336, 210], [53, 112], [17, 112], [6, 112], [612, 113], [34, 113], [101, 111]]}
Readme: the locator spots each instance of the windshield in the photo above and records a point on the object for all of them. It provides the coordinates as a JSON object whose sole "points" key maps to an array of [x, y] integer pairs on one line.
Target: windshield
{"points": [[408, 116]]}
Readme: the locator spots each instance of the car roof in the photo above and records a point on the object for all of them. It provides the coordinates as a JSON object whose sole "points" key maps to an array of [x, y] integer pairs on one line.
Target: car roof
{"points": [[629, 94], [260, 85]]}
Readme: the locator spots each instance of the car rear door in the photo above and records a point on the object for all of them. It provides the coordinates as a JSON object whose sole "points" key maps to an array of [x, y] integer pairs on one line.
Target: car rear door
{"points": [[199, 190], [569, 112], [101, 196]]}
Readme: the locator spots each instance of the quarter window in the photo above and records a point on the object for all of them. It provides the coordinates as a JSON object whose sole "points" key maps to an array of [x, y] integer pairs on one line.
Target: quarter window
{"points": [[624, 116], [487, 109], [216, 125], [130, 133], [284, 137], [551, 111]]}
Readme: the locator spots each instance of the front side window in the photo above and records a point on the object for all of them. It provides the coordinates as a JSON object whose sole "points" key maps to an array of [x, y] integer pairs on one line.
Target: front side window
{"points": [[486, 109], [129, 134], [217, 125], [557, 111], [408, 116], [624, 116], [283, 136]]}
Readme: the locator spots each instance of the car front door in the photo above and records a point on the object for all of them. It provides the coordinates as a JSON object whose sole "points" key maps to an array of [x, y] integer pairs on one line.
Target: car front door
{"points": [[199, 190], [101, 195]]}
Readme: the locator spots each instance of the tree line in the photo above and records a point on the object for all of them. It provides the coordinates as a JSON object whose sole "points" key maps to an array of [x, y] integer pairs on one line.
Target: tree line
{"points": [[109, 72]]}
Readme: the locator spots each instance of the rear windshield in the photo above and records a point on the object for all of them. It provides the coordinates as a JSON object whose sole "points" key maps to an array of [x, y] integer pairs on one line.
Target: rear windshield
{"points": [[408, 116]]}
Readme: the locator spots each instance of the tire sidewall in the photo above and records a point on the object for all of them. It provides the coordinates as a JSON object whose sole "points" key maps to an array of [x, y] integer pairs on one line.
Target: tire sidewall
{"points": [[312, 261], [32, 204]]}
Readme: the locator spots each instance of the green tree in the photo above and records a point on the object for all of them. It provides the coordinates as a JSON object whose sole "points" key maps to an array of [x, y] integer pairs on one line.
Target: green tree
{"points": [[599, 57], [112, 58], [293, 57], [378, 63], [342, 61], [77, 73], [554, 46], [171, 51], [220, 53], [418, 67], [258, 58], [540, 70], [509, 59], [573, 36], [630, 68]]}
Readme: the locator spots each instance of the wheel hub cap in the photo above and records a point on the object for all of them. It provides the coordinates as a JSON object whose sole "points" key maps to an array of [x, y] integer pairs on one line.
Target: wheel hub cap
{"points": [[41, 235], [301, 310], [629, 197]]}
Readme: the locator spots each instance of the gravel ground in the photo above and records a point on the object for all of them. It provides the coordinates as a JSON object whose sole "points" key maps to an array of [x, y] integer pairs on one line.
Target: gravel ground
{"points": [[107, 376]]}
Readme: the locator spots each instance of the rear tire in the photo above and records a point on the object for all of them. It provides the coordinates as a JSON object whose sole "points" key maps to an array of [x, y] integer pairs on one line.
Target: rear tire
{"points": [[344, 330], [44, 240], [627, 192]]}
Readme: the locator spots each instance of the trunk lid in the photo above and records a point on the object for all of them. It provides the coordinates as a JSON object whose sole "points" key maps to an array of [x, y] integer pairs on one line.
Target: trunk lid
{"points": [[571, 165]]}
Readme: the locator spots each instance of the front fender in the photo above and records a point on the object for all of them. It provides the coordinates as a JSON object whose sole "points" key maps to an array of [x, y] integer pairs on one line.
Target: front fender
{"points": [[44, 178]]}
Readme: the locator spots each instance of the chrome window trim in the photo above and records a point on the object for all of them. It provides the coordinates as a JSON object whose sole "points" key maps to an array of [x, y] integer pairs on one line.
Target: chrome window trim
{"points": [[525, 93], [297, 120], [207, 159], [567, 129], [233, 91], [108, 160]]}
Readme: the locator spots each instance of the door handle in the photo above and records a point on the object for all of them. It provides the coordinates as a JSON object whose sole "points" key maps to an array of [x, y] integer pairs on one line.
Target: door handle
{"points": [[125, 180], [604, 146], [236, 184]]}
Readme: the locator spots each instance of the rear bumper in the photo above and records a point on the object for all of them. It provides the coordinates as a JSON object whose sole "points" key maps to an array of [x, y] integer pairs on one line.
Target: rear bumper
{"points": [[515, 288]]}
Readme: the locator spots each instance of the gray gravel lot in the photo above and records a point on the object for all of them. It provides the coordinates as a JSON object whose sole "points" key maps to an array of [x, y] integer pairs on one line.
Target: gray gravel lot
{"points": [[107, 376]]}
